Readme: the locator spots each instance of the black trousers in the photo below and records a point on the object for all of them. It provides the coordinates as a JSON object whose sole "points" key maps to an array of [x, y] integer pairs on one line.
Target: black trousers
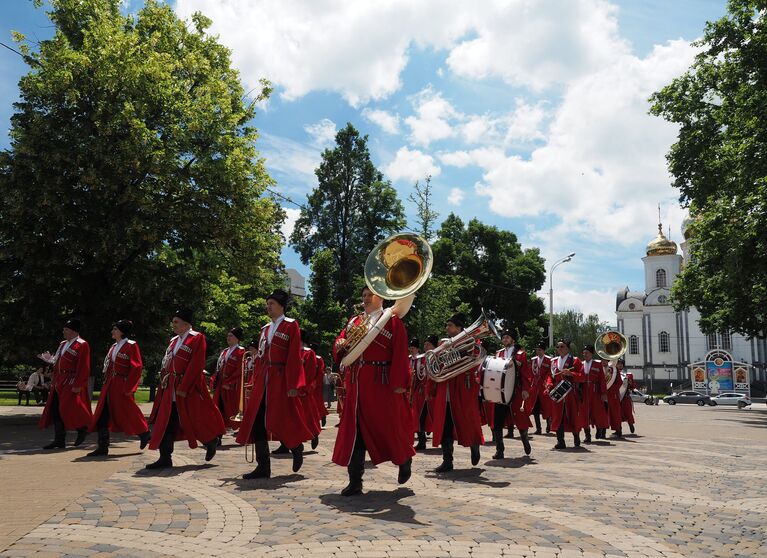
{"points": [[501, 411], [422, 419], [59, 429], [356, 466], [447, 430], [259, 425], [103, 421], [169, 437]]}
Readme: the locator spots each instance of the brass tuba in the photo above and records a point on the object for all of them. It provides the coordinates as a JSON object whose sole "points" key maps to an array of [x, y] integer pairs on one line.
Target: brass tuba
{"points": [[460, 353], [611, 345], [394, 270]]}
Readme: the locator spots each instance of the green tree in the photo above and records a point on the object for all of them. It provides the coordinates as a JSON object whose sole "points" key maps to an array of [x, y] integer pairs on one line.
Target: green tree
{"points": [[426, 217], [133, 184], [498, 275], [720, 168], [580, 330], [349, 212]]}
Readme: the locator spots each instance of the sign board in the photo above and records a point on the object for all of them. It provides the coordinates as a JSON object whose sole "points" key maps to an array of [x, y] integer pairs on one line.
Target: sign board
{"points": [[719, 374]]}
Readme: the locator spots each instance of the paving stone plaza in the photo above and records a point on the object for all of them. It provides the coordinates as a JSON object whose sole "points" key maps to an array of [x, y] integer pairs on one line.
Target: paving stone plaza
{"points": [[691, 482]]}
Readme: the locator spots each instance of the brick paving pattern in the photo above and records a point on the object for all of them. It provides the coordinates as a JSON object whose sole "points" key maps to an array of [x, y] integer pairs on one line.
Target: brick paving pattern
{"points": [[690, 483]]}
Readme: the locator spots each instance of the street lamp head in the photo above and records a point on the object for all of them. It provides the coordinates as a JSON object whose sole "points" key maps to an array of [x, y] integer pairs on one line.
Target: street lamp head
{"points": [[570, 255]]}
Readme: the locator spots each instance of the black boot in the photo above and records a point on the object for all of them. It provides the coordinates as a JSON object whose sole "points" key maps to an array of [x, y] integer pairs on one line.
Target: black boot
{"points": [[421, 445], [81, 434], [103, 444], [560, 441], [323, 422], [210, 448], [264, 467], [617, 434], [447, 458], [587, 431], [525, 441], [510, 434], [144, 438], [537, 424], [474, 454], [315, 442], [298, 457], [404, 471], [577, 439], [631, 428], [355, 469], [548, 426], [220, 441], [59, 436], [282, 449], [499, 447], [162, 463]]}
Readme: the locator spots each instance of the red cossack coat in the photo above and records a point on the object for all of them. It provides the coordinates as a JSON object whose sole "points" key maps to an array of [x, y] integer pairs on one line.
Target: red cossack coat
{"points": [[383, 416], [419, 391], [594, 412], [312, 412], [199, 418], [227, 394], [278, 369], [71, 370], [614, 402], [319, 388], [521, 408], [567, 411], [121, 379], [464, 408], [541, 368], [627, 404]]}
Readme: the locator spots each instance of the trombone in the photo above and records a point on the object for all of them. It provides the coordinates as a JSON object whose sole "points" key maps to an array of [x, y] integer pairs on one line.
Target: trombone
{"points": [[246, 365]]}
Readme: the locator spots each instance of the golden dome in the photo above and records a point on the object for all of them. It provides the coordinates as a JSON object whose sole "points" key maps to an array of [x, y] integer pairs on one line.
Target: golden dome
{"points": [[660, 245]]}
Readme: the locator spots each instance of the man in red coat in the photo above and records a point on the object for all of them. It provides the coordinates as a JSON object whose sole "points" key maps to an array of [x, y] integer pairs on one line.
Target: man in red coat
{"points": [[68, 406], [627, 404], [183, 408], [614, 403], [418, 393], [312, 411], [376, 416], [117, 410], [228, 377], [523, 387], [456, 414], [595, 396], [541, 366], [566, 413], [274, 410], [319, 389]]}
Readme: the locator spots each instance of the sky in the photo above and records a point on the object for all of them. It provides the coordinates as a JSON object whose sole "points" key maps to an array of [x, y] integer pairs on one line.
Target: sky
{"points": [[529, 115]]}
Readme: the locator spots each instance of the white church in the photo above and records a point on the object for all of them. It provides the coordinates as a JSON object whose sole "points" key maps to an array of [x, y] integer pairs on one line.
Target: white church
{"points": [[663, 342]]}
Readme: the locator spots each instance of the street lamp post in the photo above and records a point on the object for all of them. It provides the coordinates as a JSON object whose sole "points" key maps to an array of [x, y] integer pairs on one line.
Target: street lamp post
{"points": [[551, 295]]}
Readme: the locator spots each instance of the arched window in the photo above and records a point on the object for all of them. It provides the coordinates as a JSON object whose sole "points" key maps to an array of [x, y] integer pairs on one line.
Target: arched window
{"points": [[726, 340], [664, 346], [633, 345], [660, 278]]}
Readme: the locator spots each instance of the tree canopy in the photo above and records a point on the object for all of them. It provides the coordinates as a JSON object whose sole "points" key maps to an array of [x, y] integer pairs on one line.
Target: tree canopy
{"points": [[132, 185], [720, 168]]}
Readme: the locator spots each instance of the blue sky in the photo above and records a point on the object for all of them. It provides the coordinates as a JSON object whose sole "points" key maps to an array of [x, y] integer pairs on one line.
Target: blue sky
{"points": [[530, 115]]}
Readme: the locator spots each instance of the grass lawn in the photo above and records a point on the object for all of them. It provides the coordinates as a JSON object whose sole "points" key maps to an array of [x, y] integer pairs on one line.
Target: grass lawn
{"points": [[9, 398]]}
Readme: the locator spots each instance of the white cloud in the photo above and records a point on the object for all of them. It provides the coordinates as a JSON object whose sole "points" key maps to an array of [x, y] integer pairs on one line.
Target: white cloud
{"points": [[485, 157], [587, 301], [388, 122], [431, 122], [411, 165], [525, 123], [323, 133], [455, 197], [291, 216], [296, 161]]}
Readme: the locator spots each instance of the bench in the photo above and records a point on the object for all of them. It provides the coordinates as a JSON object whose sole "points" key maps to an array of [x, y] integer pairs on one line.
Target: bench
{"points": [[12, 386]]}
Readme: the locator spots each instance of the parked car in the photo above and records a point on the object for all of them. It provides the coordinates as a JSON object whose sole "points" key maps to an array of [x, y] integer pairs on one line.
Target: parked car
{"points": [[688, 397], [639, 397], [738, 399]]}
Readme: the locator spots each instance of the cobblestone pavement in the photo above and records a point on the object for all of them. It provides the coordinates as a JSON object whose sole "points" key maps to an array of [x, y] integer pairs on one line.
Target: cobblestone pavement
{"points": [[691, 482]]}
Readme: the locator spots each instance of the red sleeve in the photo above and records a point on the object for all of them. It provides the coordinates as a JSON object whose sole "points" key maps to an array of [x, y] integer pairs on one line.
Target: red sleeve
{"points": [[577, 370], [136, 366], [400, 366], [310, 369], [336, 357], [83, 365], [294, 367], [194, 370]]}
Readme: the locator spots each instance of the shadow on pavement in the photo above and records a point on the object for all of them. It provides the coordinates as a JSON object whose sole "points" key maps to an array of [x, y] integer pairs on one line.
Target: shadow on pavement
{"points": [[376, 504], [472, 475], [172, 471], [276, 482], [511, 462]]}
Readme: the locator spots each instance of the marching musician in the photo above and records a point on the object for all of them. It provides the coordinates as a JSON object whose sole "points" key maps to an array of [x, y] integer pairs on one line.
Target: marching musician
{"points": [[312, 411], [595, 396], [522, 393], [274, 409], [319, 388], [376, 416], [541, 365], [183, 408], [228, 378], [627, 404], [117, 410], [566, 412], [614, 402], [418, 392], [455, 410], [68, 406]]}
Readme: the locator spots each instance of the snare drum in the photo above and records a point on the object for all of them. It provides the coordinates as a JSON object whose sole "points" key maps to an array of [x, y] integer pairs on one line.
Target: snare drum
{"points": [[561, 390], [497, 376]]}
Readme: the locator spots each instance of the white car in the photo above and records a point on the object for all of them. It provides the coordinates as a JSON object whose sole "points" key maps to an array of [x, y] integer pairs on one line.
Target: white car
{"points": [[639, 397], [738, 399]]}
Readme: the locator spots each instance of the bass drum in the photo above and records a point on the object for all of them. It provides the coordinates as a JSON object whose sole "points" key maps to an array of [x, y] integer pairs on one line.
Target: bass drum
{"points": [[497, 377]]}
